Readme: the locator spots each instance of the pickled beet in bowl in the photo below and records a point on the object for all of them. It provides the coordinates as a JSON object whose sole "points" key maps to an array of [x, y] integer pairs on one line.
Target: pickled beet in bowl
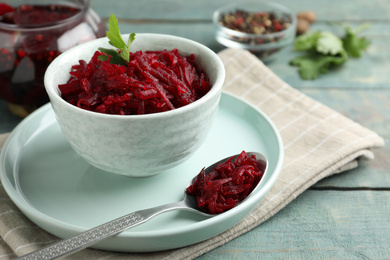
{"points": [[137, 145]]}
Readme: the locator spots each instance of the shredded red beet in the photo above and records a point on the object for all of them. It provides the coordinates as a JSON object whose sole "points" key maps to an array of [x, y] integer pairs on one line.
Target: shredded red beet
{"points": [[25, 54], [35, 14], [228, 184], [5, 8], [153, 81]]}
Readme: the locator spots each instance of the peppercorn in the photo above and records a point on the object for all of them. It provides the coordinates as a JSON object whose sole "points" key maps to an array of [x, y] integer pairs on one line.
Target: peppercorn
{"points": [[254, 22], [258, 28]]}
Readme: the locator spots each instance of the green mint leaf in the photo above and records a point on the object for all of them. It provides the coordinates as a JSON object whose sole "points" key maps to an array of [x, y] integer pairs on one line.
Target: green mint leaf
{"points": [[120, 55]]}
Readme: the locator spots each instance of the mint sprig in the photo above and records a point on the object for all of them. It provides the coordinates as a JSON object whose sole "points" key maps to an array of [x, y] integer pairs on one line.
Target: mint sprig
{"points": [[120, 55]]}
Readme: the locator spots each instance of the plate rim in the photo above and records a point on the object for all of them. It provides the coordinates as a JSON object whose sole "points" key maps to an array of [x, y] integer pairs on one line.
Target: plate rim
{"points": [[15, 195]]}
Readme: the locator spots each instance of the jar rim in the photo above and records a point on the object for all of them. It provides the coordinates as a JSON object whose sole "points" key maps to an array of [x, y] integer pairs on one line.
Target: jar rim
{"points": [[52, 25]]}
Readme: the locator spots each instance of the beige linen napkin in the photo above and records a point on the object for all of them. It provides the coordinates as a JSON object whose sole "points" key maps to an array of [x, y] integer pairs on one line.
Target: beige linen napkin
{"points": [[318, 142]]}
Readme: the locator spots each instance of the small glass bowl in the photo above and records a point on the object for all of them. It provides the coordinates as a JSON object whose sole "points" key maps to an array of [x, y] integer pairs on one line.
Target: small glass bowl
{"points": [[258, 34]]}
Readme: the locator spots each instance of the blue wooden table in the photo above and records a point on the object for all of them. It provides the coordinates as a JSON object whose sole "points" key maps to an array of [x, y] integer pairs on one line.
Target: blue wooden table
{"points": [[346, 216]]}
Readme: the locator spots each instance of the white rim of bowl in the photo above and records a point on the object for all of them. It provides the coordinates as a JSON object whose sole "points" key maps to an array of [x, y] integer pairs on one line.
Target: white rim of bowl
{"points": [[53, 91]]}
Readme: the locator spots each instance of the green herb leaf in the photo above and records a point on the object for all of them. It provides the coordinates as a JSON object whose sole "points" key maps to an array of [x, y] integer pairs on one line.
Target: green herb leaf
{"points": [[131, 39], [353, 44], [322, 42], [328, 43], [312, 64], [116, 58], [307, 41], [114, 34], [121, 55], [324, 50]]}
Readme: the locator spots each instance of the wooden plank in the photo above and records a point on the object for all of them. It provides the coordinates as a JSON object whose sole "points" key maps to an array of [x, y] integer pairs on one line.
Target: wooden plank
{"points": [[204, 32], [330, 10], [201, 32], [319, 225], [369, 175]]}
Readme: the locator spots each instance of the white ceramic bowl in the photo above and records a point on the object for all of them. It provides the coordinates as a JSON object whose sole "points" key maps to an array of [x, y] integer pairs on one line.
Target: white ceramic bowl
{"points": [[137, 145]]}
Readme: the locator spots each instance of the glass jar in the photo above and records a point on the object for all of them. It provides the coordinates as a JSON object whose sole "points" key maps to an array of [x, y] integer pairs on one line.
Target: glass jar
{"points": [[31, 36]]}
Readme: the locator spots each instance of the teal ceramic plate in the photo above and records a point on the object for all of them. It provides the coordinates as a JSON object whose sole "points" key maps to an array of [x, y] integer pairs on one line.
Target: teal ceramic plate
{"points": [[64, 195]]}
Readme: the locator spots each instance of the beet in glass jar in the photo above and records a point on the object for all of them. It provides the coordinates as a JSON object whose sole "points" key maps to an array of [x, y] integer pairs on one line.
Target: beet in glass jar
{"points": [[32, 34]]}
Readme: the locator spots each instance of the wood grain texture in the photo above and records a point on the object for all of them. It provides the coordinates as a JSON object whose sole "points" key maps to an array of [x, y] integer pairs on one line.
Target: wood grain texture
{"points": [[330, 10], [345, 216], [319, 225]]}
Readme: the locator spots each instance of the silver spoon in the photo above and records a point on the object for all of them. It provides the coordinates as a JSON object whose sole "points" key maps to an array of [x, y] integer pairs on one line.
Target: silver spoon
{"points": [[92, 236]]}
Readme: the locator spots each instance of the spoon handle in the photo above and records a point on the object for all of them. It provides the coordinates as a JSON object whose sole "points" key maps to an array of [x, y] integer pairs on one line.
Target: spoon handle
{"points": [[92, 236]]}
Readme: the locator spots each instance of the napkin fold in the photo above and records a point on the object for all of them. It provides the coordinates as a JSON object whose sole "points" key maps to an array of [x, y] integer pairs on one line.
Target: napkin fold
{"points": [[318, 142]]}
